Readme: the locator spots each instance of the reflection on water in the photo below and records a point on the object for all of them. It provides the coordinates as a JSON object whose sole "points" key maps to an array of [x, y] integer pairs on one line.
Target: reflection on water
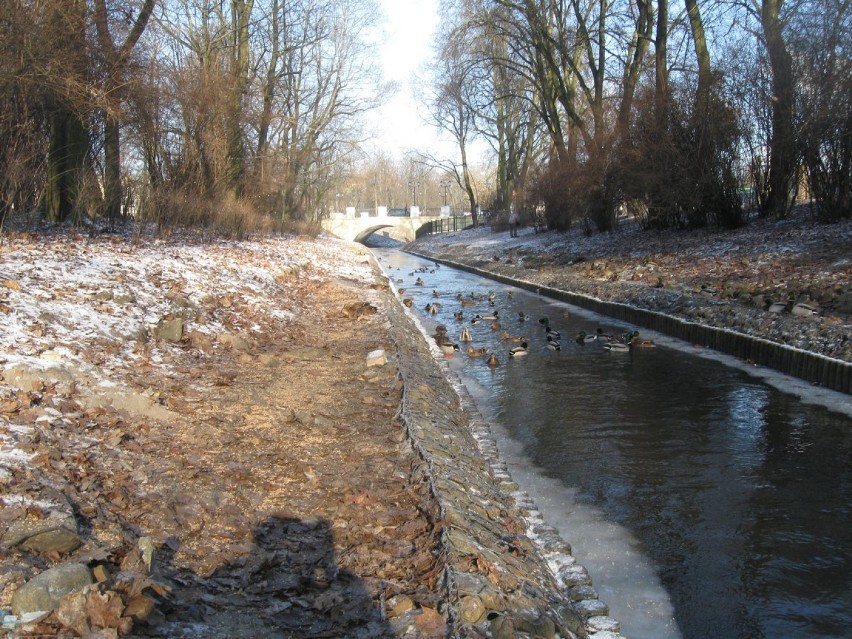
{"points": [[739, 495]]}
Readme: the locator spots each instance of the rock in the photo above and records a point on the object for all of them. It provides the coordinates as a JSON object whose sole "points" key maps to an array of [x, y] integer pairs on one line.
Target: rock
{"points": [[472, 609], [376, 358], [34, 377], [44, 591], [55, 533], [168, 330], [234, 341], [399, 605]]}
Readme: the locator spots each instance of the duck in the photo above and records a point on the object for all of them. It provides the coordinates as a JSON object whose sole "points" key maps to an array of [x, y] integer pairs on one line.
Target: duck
{"points": [[401, 291], [507, 337], [617, 347], [553, 345], [803, 310], [465, 335], [495, 326], [490, 316], [544, 320], [449, 348], [458, 315], [600, 335], [418, 282], [582, 338], [523, 317], [476, 352], [435, 293], [519, 351], [440, 329], [493, 361], [639, 342], [408, 302], [551, 334]]}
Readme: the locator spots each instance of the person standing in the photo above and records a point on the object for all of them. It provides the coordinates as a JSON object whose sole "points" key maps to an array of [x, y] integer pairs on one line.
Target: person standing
{"points": [[514, 217]]}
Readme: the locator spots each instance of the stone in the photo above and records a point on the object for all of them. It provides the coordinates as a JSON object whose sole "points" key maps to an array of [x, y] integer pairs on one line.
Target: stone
{"points": [[399, 605], [44, 591], [168, 330], [604, 624], [472, 609], [139, 607], [592, 608], [55, 533], [376, 358], [234, 341]]}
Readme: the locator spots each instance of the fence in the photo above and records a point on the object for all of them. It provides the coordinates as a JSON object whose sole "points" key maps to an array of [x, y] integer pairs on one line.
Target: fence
{"points": [[445, 225]]}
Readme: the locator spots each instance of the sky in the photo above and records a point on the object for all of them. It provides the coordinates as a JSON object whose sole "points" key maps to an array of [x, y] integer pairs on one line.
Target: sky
{"points": [[407, 38]]}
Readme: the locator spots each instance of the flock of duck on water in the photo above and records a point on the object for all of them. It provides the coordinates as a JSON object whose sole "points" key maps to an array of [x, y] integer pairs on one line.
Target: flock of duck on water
{"points": [[616, 343]]}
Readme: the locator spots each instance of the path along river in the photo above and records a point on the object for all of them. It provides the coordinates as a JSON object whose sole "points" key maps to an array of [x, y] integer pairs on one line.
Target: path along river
{"points": [[703, 501]]}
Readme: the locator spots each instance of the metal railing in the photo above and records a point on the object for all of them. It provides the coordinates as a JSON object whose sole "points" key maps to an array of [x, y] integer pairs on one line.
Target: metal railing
{"points": [[445, 225]]}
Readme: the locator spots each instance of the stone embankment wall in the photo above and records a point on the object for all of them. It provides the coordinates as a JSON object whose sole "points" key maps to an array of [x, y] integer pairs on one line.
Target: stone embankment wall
{"points": [[831, 373], [508, 573]]}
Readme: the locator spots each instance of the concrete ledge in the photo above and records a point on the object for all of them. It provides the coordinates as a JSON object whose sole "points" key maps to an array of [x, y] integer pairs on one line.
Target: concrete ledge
{"points": [[831, 373]]}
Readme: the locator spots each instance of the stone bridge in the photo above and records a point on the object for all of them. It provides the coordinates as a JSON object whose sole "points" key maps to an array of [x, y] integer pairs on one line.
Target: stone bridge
{"points": [[359, 227]]}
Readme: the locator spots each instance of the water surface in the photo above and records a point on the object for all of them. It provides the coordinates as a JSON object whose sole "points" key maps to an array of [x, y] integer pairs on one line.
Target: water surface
{"points": [[704, 502]]}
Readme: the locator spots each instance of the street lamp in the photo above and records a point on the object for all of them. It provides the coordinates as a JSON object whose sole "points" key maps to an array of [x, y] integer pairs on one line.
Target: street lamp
{"points": [[446, 185], [413, 185]]}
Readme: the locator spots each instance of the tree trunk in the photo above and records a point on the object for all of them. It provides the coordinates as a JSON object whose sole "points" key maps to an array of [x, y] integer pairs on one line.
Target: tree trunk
{"points": [[661, 69], [115, 59], [782, 146], [66, 165]]}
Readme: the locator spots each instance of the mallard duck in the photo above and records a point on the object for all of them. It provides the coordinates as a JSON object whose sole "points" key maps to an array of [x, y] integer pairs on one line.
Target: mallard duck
{"points": [[435, 293], [449, 349], [440, 329], [418, 282], [495, 326], [408, 302], [476, 352], [493, 361], [582, 338], [776, 307], [600, 335], [617, 347], [553, 344], [468, 302], [458, 315], [465, 335], [519, 351], [490, 316], [551, 334], [506, 337], [639, 342], [476, 319], [441, 339], [523, 317], [544, 320], [803, 310]]}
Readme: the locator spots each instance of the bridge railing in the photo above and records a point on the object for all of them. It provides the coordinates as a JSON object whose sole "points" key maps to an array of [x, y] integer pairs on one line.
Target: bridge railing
{"points": [[444, 225]]}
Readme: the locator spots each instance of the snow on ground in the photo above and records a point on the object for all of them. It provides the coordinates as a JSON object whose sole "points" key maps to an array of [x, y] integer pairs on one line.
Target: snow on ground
{"points": [[80, 312]]}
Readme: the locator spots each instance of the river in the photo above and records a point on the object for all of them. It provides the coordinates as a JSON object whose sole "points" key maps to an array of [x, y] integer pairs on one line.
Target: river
{"points": [[704, 501]]}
